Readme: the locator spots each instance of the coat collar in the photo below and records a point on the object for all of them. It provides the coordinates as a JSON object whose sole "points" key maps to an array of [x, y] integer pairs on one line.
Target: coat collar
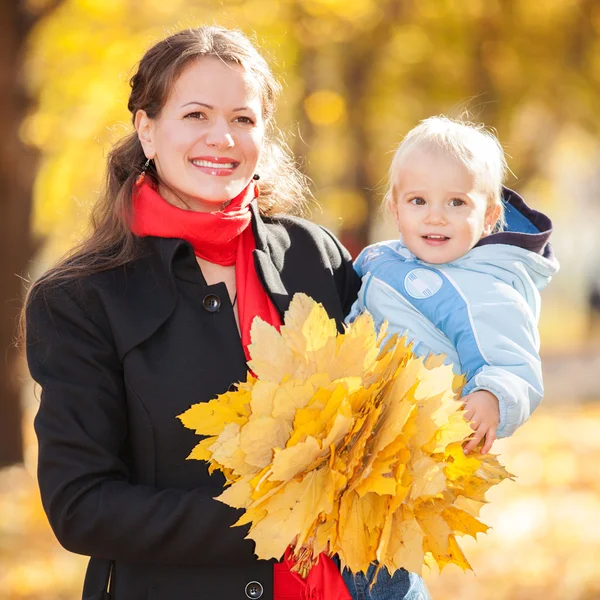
{"points": [[149, 282], [268, 259]]}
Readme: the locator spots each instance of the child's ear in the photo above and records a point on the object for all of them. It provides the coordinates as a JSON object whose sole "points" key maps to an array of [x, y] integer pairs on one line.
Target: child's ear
{"points": [[393, 208], [491, 218]]}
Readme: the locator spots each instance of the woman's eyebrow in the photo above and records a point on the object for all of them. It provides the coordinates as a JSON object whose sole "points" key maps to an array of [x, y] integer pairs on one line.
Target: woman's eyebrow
{"points": [[199, 104], [241, 108]]}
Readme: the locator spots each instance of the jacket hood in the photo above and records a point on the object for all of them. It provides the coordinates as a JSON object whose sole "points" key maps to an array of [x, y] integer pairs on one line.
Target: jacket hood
{"points": [[525, 228], [525, 240]]}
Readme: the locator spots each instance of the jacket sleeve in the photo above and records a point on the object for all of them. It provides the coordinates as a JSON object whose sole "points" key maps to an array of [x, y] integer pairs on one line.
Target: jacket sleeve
{"points": [[503, 337], [81, 426], [346, 278]]}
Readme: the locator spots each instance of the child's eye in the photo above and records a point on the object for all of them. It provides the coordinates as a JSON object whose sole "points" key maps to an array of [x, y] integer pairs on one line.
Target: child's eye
{"points": [[195, 115], [418, 201], [456, 202]]}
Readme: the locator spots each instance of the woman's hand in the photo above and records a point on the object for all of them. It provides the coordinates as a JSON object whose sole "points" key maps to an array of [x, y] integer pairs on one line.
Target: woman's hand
{"points": [[483, 412]]}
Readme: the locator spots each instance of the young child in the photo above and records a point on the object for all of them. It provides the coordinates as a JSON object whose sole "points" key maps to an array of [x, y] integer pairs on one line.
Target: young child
{"points": [[464, 278]]}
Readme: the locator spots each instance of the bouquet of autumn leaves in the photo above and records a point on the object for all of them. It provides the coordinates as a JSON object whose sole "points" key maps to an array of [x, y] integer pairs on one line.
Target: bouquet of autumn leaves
{"points": [[342, 446]]}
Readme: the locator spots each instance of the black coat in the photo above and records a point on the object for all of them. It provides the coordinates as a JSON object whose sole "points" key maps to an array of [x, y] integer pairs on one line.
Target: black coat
{"points": [[119, 354]]}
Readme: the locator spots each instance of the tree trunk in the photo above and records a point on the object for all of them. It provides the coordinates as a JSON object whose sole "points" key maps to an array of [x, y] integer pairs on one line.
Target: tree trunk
{"points": [[17, 172], [357, 67]]}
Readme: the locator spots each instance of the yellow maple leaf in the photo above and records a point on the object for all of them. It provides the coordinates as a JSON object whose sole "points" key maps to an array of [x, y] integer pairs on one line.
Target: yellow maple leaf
{"points": [[292, 395], [292, 513], [208, 418], [237, 495], [436, 529], [380, 479], [226, 449], [457, 556], [457, 464], [429, 478], [272, 359], [473, 507], [294, 459], [405, 548], [356, 350], [310, 333], [355, 540], [260, 436], [263, 398], [462, 522], [201, 450]]}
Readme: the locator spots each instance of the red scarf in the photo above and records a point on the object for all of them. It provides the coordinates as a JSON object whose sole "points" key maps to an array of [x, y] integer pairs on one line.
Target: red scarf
{"points": [[324, 581], [225, 238]]}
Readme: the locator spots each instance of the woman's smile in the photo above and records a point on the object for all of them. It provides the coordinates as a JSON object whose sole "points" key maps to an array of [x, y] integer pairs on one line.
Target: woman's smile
{"points": [[218, 166]]}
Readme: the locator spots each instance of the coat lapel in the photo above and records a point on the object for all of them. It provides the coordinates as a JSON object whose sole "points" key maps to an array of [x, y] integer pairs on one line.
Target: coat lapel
{"points": [[142, 296], [269, 263]]}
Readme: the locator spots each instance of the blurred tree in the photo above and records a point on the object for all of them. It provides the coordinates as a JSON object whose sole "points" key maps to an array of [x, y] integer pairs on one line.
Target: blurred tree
{"points": [[17, 173], [338, 49]]}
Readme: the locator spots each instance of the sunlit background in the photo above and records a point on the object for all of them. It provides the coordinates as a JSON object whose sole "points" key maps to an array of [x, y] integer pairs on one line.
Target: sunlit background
{"points": [[357, 75]]}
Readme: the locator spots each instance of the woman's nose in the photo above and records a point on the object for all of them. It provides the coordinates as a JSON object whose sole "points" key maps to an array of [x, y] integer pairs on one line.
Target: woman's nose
{"points": [[219, 136]]}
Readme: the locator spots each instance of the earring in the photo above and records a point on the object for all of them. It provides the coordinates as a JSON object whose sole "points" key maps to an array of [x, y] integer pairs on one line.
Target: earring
{"points": [[256, 176], [140, 178]]}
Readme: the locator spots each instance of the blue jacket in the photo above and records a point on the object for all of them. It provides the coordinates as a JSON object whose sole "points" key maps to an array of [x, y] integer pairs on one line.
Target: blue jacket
{"points": [[480, 310]]}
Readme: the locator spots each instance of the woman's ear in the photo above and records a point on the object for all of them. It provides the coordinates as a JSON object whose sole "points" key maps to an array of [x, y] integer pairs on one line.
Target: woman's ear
{"points": [[144, 128], [491, 218]]}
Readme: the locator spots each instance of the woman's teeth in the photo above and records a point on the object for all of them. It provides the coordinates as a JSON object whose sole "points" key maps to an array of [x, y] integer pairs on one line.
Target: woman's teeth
{"points": [[212, 165]]}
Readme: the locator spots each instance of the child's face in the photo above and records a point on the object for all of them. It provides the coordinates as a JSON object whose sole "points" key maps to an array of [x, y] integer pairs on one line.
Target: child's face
{"points": [[438, 209]]}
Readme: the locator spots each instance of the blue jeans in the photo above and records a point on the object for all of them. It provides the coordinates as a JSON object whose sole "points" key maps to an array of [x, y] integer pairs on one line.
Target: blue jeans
{"points": [[401, 586]]}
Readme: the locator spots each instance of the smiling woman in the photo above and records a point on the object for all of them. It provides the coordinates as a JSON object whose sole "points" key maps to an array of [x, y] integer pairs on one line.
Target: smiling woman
{"points": [[152, 313]]}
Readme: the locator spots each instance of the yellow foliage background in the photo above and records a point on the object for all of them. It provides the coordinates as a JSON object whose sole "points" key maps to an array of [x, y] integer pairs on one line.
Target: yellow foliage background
{"points": [[357, 75]]}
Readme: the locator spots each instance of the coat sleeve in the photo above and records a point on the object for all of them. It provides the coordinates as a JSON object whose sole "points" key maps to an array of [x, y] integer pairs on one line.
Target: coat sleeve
{"points": [[81, 425], [503, 337], [346, 278]]}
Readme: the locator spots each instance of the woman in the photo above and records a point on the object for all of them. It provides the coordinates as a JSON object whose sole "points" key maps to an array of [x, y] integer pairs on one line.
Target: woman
{"points": [[152, 314]]}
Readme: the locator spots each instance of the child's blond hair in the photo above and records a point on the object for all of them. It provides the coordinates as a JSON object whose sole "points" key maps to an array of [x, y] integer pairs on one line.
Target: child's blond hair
{"points": [[472, 144]]}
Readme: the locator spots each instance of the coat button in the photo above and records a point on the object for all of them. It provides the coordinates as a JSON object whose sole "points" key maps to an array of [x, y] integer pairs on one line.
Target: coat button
{"points": [[254, 590], [211, 303]]}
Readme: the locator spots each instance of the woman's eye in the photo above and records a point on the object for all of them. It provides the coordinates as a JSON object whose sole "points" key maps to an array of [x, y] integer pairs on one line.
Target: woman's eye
{"points": [[246, 120], [195, 115], [417, 201], [456, 202]]}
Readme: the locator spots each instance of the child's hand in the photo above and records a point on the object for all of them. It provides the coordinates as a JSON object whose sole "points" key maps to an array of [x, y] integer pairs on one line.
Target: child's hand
{"points": [[484, 413]]}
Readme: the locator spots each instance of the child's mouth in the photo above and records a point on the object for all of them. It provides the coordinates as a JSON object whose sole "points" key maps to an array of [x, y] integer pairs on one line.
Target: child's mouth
{"points": [[435, 240]]}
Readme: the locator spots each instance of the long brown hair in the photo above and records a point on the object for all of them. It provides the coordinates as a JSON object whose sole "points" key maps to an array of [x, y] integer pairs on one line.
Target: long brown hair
{"points": [[282, 187]]}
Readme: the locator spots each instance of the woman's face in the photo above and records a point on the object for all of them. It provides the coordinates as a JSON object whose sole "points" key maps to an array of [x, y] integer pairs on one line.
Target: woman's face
{"points": [[207, 139]]}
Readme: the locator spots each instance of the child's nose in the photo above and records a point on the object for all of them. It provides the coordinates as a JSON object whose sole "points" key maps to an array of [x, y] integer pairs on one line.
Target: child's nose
{"points": [[435, 216]]}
